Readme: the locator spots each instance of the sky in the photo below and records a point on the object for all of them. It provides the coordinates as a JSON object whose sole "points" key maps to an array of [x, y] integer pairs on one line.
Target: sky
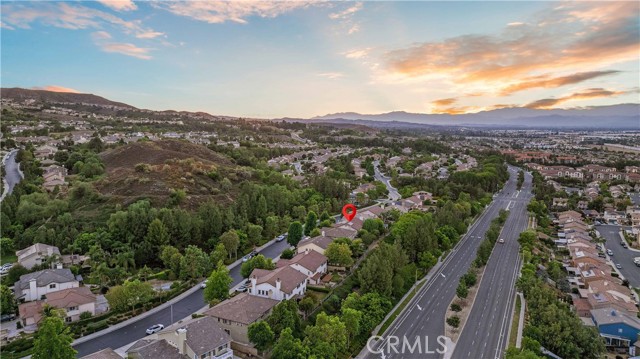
{"points": [[272, 59]]}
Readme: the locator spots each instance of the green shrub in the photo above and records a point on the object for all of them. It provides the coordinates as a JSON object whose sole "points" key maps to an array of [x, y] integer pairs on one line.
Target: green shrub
{"points": [[456, 307], [85, 315], [453, 321]]}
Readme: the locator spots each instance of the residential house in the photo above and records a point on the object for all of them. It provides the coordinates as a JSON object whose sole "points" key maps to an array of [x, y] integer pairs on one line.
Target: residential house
{"points": [[310, 263], [614, 217], [618, 328], [280, 284], [44, 152], [36, 254], [317, 244], [235, 314], [73, 301], [200, 338], [37, 285], [560, 202]]}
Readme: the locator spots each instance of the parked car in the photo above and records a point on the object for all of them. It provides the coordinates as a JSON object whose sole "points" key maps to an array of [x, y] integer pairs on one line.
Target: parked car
{"points": [[7, 317], [204, 284], [609, 252], [280, 238], [155, 328], [623, 243], [619, 266], [246, 258]]}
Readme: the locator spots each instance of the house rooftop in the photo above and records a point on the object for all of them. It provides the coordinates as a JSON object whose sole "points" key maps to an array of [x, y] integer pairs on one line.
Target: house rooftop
{"points": [[243, 308], [289, 278]]}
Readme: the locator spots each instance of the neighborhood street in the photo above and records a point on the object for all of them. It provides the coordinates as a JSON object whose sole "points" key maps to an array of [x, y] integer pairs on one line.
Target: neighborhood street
{"points": [[13, 176], [621, 255]]}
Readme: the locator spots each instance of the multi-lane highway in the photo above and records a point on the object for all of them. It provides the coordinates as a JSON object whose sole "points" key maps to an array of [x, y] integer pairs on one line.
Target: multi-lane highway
{"points": [[621, 255], [485, 333], [181, 309], [423, 318]]}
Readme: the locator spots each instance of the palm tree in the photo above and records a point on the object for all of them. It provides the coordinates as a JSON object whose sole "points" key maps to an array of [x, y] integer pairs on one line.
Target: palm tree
{"points": [[125, 260]]}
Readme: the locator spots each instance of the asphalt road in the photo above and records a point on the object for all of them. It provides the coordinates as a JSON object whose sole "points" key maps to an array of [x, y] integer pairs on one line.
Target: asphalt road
{"points": [[424, 316], [181, 309], [621, 255], [635, 198], [394, 195], [485, 333], [13, 176]]}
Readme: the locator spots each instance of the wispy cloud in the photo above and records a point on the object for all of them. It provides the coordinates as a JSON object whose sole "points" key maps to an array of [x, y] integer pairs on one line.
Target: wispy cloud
{"points": [[582, 95], [444, 102], [68, 16], [346, 18], [55, 88], [218, 12], [103, 40], [119, 5], [331, 75], [357, 53], [346, 13]]}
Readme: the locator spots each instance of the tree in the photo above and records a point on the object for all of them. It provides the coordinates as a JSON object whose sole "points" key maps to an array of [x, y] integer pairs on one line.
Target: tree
{"points": [[157, 235], [15, 272], [218, 284], [231, 241], [324, 216], [7, 300], [171, 258], [53, 340], [218, 254], [351, 319], [311, 223], [328, 337], [258, 261], [194, 264], [254, 234], [261, 335], [462, 290], [339, 254], [307, 304], [295, 233], [288, 347], [426, 260], [285, 315]]}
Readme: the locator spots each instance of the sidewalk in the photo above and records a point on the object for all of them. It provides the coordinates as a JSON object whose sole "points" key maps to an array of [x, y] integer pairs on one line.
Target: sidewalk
{"points": [[160, 307], [520, 322]]}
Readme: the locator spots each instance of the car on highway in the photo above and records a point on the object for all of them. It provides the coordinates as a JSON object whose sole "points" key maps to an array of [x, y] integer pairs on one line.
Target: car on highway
{"points": [[501, 240], [155, 328], [619, 266]]}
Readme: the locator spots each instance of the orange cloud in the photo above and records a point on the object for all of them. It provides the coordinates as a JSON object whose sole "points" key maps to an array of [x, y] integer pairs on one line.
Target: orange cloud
{"points": [[571, 37], [444, 102], [545, 82], [586, 94], [55, 88]]}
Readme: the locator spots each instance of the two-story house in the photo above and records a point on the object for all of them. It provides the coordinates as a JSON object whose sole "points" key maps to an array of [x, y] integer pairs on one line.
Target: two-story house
{"points": [[280, 284], [310, 263], [37, 285], [199, 338], [34, 255], [73, 301]]}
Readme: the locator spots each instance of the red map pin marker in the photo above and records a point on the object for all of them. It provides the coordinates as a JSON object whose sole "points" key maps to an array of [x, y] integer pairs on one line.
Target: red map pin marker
{"points": [[349, 211]]}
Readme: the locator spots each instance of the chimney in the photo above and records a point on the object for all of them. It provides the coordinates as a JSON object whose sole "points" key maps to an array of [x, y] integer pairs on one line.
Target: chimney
{"points": [[182, 340], [306, 250], [254, 279], [33, 290], [278, 284]]}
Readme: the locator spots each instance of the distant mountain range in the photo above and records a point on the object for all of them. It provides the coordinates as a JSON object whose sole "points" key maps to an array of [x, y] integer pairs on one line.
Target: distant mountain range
{"points": [[615, 116], [622, 116]]}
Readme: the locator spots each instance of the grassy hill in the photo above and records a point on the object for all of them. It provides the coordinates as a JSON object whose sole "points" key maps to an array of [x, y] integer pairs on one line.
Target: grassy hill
{"points": [[155, 169]]}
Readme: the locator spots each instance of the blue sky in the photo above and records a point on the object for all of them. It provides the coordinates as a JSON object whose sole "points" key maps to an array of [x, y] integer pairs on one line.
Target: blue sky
{"points": [[301, 59]]}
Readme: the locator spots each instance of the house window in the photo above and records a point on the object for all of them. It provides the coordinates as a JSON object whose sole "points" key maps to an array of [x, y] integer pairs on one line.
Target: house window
{"points": [[68, 320], [52, 286], [70, 309]]}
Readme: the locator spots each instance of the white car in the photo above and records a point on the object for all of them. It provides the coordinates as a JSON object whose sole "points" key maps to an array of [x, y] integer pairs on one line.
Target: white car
{"points": [[501, 240], [154, 329], [204, 284], [619, 266]]}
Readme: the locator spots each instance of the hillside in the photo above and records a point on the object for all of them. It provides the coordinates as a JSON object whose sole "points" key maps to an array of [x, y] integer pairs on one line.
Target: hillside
{"points": [[153, 169], [21, 94]]}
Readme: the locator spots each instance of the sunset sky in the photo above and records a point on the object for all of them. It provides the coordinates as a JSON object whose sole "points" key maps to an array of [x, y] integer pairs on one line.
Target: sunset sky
{"points": [[302, 59]]}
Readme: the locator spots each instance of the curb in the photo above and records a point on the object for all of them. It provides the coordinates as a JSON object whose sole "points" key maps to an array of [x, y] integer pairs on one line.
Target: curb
{"points": [[162, 306]]}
